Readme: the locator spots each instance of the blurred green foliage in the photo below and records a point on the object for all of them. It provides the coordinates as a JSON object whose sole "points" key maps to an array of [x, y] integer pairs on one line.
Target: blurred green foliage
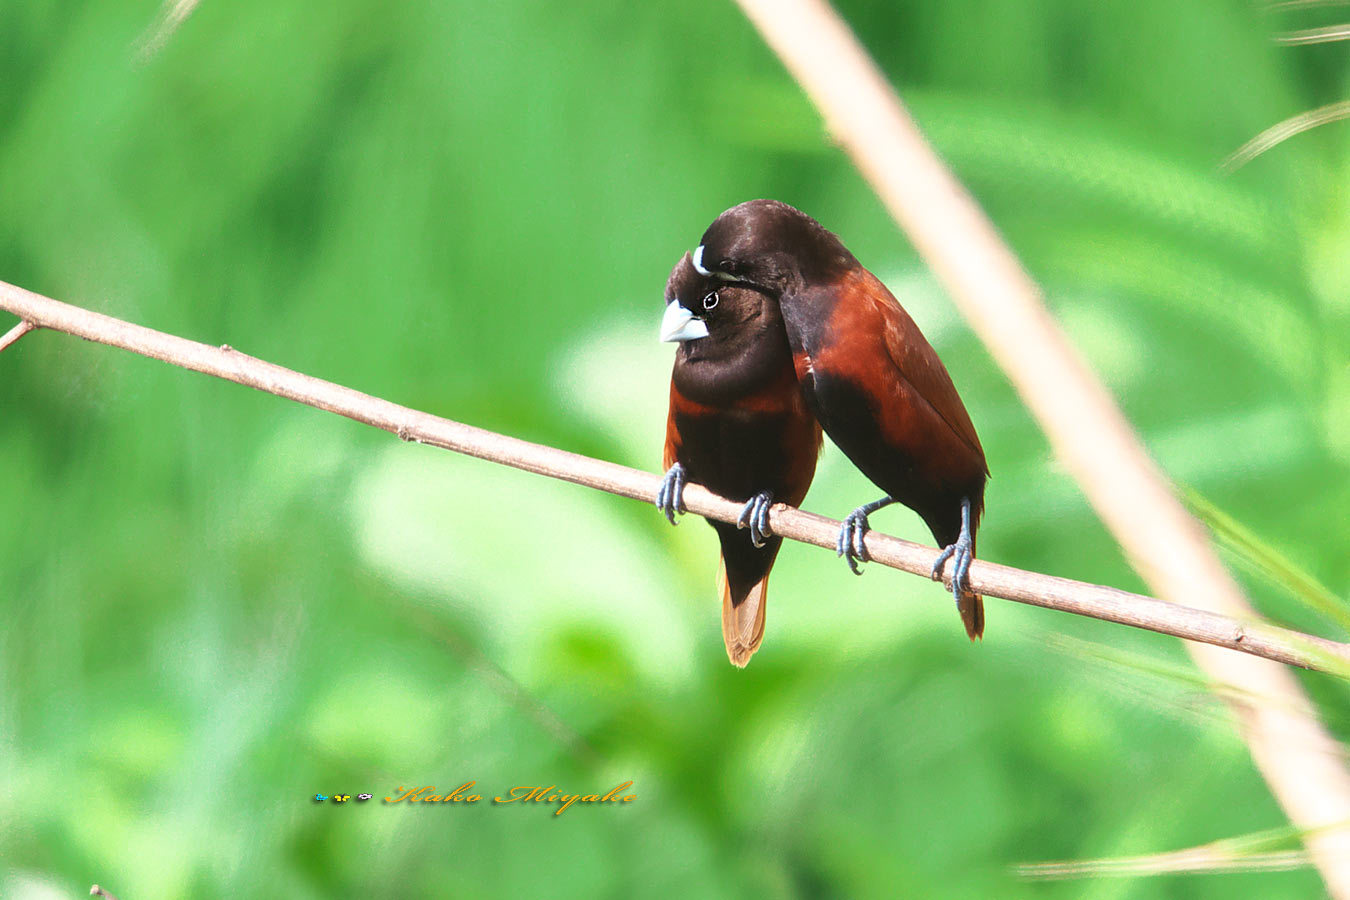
{"points": [[217, 604]]}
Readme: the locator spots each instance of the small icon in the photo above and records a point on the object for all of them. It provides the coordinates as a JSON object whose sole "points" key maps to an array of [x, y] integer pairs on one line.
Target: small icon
{"points": [[320, 797], [364, 797], [341, 798]]}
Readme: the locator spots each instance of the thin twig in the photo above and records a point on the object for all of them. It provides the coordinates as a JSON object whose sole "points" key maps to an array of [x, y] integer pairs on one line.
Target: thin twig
{"points": [[97, 891], [1283, 131], [1286, 5], [1257, 852], [1089, 433], [171, 17], [1199, 861], [505, 686], [1324, 35], [1249, 636], [18, 331]]}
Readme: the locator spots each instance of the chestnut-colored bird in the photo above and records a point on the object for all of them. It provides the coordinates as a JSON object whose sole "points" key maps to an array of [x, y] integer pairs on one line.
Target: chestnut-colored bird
{"points": [[739, 426], [869, 376]]}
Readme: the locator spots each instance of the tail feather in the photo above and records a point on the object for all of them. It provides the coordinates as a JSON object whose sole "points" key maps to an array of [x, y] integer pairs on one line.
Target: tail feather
{"points": [[743, 617], [971, 607]]}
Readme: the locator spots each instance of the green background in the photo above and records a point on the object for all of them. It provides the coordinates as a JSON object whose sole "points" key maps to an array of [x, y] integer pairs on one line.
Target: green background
{"points": [[216, 603]]}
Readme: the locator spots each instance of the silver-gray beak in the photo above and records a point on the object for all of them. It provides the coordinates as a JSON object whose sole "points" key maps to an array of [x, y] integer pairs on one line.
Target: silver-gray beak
{"points": [[679, 324]]}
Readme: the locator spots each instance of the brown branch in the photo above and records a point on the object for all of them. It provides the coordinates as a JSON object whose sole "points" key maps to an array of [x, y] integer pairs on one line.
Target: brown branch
{"points": [[1295, 753], [97, 891], [1098, 602], [13, 335]]}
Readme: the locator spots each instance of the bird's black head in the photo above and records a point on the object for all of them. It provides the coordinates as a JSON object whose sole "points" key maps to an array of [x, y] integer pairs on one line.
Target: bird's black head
{"points": [[772, 246], [731, 335]]}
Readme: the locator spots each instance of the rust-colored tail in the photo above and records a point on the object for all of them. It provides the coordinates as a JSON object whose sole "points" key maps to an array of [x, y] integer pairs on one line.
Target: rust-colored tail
{"points": [[971, 607], [742, 617]]}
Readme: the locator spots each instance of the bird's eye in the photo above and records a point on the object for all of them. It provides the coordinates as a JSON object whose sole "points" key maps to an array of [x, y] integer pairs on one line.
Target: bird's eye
{"points": [[710, 301]]}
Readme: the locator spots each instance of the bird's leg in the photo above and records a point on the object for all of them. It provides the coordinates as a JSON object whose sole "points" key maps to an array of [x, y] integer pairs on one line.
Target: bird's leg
{"points": [[755, 516], [850, 543], [670, 498], [964, 552]]}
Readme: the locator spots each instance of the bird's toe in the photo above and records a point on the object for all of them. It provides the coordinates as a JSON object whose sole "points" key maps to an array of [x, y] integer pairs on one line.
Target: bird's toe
{"points": [[670, 497], [850, 544], [961, 576], [755, 516], [946, 554]]}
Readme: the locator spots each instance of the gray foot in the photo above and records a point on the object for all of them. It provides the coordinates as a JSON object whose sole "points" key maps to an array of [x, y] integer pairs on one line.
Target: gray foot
{"points": [[850, 543], [755, 516], [670, 498], [962, 552]]}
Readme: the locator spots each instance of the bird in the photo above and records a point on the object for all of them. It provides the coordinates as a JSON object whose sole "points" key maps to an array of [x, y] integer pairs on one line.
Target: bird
{"points": [[868, 375], [739, 425]]}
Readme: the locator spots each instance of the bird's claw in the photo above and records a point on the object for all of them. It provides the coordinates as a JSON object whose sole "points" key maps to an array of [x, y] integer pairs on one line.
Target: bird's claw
{"points": [[963, 549], [670, 498], [963, 553], [755, 516], [850, 543]]}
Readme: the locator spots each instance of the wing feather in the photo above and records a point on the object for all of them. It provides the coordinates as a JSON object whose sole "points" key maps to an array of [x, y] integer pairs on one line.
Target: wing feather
{"points": [[916, 361]]}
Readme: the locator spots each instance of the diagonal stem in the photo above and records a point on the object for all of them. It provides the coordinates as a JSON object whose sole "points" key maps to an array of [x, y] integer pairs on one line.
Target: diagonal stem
{"points": [[12, 336], [1089, 433], [1248, 634]]}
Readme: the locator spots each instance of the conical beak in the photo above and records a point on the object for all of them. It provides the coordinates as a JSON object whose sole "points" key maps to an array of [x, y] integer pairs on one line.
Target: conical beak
{"points": [[679, 324]]}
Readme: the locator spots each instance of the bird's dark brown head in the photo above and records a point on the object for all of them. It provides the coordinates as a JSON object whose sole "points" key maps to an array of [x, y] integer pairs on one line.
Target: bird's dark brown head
{"points": [[731, 335], [772, 246]]}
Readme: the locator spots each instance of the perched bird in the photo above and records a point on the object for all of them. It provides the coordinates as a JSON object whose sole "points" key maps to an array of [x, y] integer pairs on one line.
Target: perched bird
{"points": [[868, 375], [740, 427]]}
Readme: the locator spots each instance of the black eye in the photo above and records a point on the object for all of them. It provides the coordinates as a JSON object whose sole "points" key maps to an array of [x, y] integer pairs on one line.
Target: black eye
{"points": [[710, 301]]}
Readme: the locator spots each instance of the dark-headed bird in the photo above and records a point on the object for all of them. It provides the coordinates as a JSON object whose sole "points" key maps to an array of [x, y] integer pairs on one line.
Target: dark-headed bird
{"points": [[869, 376], [740, 427]]}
